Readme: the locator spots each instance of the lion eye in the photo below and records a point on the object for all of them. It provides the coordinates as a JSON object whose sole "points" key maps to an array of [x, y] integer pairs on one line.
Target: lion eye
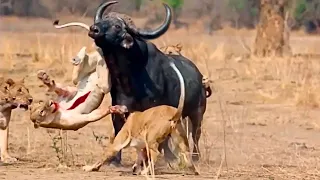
{"points": [[76, 60], [41, 113], [19, 90]]}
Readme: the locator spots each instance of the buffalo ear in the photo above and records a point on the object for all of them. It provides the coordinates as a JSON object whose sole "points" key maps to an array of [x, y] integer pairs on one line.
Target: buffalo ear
{"points": [[127, 41]]}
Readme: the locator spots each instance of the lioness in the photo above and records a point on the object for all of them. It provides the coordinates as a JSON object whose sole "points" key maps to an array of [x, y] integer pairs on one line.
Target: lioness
{"points": [[148, 129], [20, 97], [172, 49], [74, 101]]}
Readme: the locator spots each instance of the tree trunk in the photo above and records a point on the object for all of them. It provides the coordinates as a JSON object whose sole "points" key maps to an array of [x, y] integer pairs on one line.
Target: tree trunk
{"points": [[272, 37]]}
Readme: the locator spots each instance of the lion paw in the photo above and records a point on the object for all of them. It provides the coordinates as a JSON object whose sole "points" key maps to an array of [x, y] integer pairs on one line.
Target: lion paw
{"points": [[118, 109], [43, 76], [9, 159], [88, 168]]}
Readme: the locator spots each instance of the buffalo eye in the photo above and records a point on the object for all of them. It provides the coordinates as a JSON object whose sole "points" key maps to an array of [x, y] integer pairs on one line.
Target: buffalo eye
{"points": [[117, 27]]}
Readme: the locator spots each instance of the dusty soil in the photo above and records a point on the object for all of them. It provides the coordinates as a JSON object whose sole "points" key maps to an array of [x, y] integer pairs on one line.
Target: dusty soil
{"points": [[246, 133]]}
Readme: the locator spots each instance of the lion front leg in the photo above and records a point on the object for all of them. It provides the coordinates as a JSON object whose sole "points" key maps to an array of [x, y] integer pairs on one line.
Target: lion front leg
{"points": [[60, 90], [5, 156]]}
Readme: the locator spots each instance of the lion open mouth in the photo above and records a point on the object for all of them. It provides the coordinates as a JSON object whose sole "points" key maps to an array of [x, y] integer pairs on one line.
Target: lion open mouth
{"points": [[14, 106], [24, 106]]}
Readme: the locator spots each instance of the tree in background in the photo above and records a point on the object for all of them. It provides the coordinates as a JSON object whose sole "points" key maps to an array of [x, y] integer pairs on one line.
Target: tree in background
{"points": [[272, 37], [307, 13], [210, 13], [245, 13], [138, 4]]}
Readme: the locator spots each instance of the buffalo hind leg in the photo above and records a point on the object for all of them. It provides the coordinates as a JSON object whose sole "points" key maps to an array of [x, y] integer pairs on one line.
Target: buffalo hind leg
{"points": [[168, 154], [181, 141], [196, 119]]}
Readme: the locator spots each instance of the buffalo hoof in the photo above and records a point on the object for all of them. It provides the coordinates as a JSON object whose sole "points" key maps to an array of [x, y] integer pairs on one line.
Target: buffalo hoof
{"points": [[115, 164]]}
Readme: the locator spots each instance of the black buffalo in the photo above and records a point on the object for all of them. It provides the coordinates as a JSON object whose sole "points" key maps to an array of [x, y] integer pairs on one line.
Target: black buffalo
{"points": [[140, 73]]}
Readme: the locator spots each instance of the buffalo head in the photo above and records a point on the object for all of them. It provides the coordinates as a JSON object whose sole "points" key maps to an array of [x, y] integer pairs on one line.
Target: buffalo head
{"points": [[118, 29]]}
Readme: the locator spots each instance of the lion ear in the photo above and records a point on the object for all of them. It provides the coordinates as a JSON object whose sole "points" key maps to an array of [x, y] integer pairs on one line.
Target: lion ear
{"points": [[10, 82], [49, 103], [82, 53], [22, 80], [179, 46]]}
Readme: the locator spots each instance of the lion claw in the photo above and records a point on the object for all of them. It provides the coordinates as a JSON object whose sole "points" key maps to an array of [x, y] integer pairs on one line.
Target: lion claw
{"points": [[43, 76]]}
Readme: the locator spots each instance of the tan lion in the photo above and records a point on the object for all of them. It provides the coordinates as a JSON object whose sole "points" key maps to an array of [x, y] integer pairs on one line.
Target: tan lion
{"points": [[75, 101], [172, 49], [148, 129], [18, 95]]}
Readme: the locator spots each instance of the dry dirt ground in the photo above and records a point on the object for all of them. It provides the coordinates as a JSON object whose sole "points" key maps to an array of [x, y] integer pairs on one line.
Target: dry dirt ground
{"points": [[262, 121]]}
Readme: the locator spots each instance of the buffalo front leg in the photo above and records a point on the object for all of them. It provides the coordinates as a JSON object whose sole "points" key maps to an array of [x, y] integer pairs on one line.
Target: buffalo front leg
{"points": [[118, 123], [5, 157], [153, 156], [141, 158]]}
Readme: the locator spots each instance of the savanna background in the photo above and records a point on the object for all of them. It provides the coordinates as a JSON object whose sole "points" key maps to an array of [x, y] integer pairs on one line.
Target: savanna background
{"points": [[262, 121]]}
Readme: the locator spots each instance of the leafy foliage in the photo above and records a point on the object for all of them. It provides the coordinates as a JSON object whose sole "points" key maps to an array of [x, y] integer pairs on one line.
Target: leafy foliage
{"points": [[175, 4]]}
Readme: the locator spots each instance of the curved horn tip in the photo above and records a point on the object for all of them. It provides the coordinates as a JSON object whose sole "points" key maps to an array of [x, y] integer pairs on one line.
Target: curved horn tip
{"points": [[110, 2], [102, 7], [56, 22], [166, 6]]}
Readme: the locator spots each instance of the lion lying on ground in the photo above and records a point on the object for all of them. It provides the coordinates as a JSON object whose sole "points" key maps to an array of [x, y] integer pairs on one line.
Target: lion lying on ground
{"points": [[73, 101], [18, 95], [148, 129]]}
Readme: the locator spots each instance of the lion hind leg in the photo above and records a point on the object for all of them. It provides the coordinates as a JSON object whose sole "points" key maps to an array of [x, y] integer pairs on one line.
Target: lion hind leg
{"points": [[121, 141]]}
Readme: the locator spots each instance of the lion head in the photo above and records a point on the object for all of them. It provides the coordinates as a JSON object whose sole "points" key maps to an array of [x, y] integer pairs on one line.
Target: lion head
{"points": [[40, 111], [172, 49], [18, 91], [83, 64], [5, 98]]}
